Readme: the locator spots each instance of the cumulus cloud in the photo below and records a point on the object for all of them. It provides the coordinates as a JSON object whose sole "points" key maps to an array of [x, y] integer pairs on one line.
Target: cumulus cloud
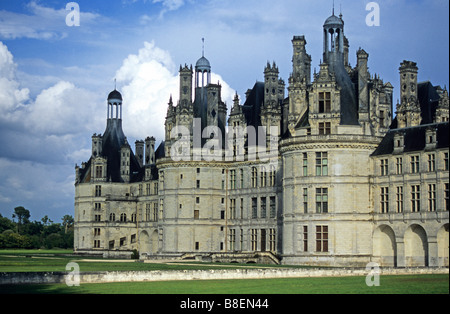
{"points": [[149, 78], [11, 95]]}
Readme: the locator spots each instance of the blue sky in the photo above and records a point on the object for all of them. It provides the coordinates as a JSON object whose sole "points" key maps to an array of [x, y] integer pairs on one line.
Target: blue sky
{"points": [[54, 79]]}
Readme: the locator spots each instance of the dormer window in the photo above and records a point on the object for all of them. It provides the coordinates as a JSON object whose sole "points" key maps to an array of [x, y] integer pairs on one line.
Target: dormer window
{"points": [[430, 139], [324, 102], [399, 143]]}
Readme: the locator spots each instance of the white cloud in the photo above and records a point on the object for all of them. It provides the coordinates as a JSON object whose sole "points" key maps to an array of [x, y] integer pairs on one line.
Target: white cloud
{"points": [[11, 95]]}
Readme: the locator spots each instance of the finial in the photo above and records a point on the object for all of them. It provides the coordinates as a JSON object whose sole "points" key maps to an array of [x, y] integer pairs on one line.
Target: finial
{"points": [[203, 47], [115, 84], [333, 7]]}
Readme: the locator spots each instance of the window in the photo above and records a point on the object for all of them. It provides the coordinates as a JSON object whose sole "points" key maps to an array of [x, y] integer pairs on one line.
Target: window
{"points": [[123, 241], [232, 239], [96, 231], [384, 167], [96, 244], [232, 208], [196, 214], [254, 177], [161, 208], [431, 162], [147, 212], [321, 238], [123, 217], [305, 238], [446, 196], [98, 218], [272, 240], [197, 246], [98, 190], [384, 200], [324, 102], [325, 128], [155, 188], [305, 200], [305, 164], [112, 217], [97, 206], [148, 189], [272, 178], [321, 164], [415, 198], [133, 238], [399, 165], [197, 200], [382, 119], [415, 161], [98, 171], [446, 161], [242, 177], [263, 177], [254, 208], [242, 208], [254, 239], [155, 211], [273, 207], [263, 207], [432, 197], [222, 214], [198, 184], [321, 200], [233, 179], [399, 199]]}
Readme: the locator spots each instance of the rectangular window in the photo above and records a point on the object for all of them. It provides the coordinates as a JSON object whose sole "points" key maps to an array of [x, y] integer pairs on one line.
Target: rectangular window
{"points": [[399, 200], [325, 128], [321, 238], [273, 207], [147, 212], [431, 162], [233, 179], [272, 240], [197, 246], [148, 189], [415, 198], [98, 171], [196, 214], [263, 207], [232, 208], [254, 239], [415, 163], [198, 184], [384, 167], [305, 238], [446, 196], [232, 240], [263, 177], [254, 208], [399, 165], [98, 190], [155, 212], [305, 164], [321, 164], [432, 197], [321, 200], [242, 178], [324, 102], [446, 161], [384, 200], [242, 208], [305, 200]]}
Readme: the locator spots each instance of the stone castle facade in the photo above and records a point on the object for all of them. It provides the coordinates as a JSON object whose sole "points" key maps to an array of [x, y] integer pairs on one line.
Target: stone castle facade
{"points": [[325, 175]]}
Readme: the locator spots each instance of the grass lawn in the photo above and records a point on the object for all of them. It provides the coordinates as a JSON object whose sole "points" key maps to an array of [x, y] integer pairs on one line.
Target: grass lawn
{"points": [[424, 284], [56, 260]]}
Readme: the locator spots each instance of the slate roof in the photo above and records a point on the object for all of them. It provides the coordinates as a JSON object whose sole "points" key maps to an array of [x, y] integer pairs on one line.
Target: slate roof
{"points": [[414, 139]]}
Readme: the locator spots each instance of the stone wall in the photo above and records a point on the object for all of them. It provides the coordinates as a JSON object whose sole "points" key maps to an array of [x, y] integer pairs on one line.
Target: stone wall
{"points": [[245, 273]]}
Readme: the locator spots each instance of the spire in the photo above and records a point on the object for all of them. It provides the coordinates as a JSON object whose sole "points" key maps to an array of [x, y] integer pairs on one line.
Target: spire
{"points": [[333, 7], [203, 47]]}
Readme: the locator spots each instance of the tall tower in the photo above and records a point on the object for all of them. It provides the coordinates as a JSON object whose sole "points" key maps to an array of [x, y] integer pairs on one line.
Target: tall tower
{"points": [[186, 85], [301, 61], [271, 84], [408, 111]]}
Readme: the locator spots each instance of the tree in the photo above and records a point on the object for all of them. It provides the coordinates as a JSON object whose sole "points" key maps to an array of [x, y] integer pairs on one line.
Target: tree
{"points": [[67, 222], [23, 216]]}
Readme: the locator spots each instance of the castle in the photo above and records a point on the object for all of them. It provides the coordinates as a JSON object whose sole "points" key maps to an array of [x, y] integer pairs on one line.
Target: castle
{"points": [[323, 176]]}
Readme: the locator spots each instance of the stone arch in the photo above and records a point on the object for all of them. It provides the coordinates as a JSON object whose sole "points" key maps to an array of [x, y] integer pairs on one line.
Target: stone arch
{"points": [[416, 246], [443, 243], [384, 246], [144, 242]]}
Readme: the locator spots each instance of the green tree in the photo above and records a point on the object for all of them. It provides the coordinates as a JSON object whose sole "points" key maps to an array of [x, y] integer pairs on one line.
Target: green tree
{"points": [[23, 217], [67, 222]]}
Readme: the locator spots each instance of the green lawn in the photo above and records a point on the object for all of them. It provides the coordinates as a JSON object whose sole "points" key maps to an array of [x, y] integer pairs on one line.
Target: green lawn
{"points": [[56, 260], [424, 284]]}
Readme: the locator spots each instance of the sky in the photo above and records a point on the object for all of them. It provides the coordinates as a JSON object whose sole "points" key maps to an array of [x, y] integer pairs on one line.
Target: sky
{"points": [[55, 77]]}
